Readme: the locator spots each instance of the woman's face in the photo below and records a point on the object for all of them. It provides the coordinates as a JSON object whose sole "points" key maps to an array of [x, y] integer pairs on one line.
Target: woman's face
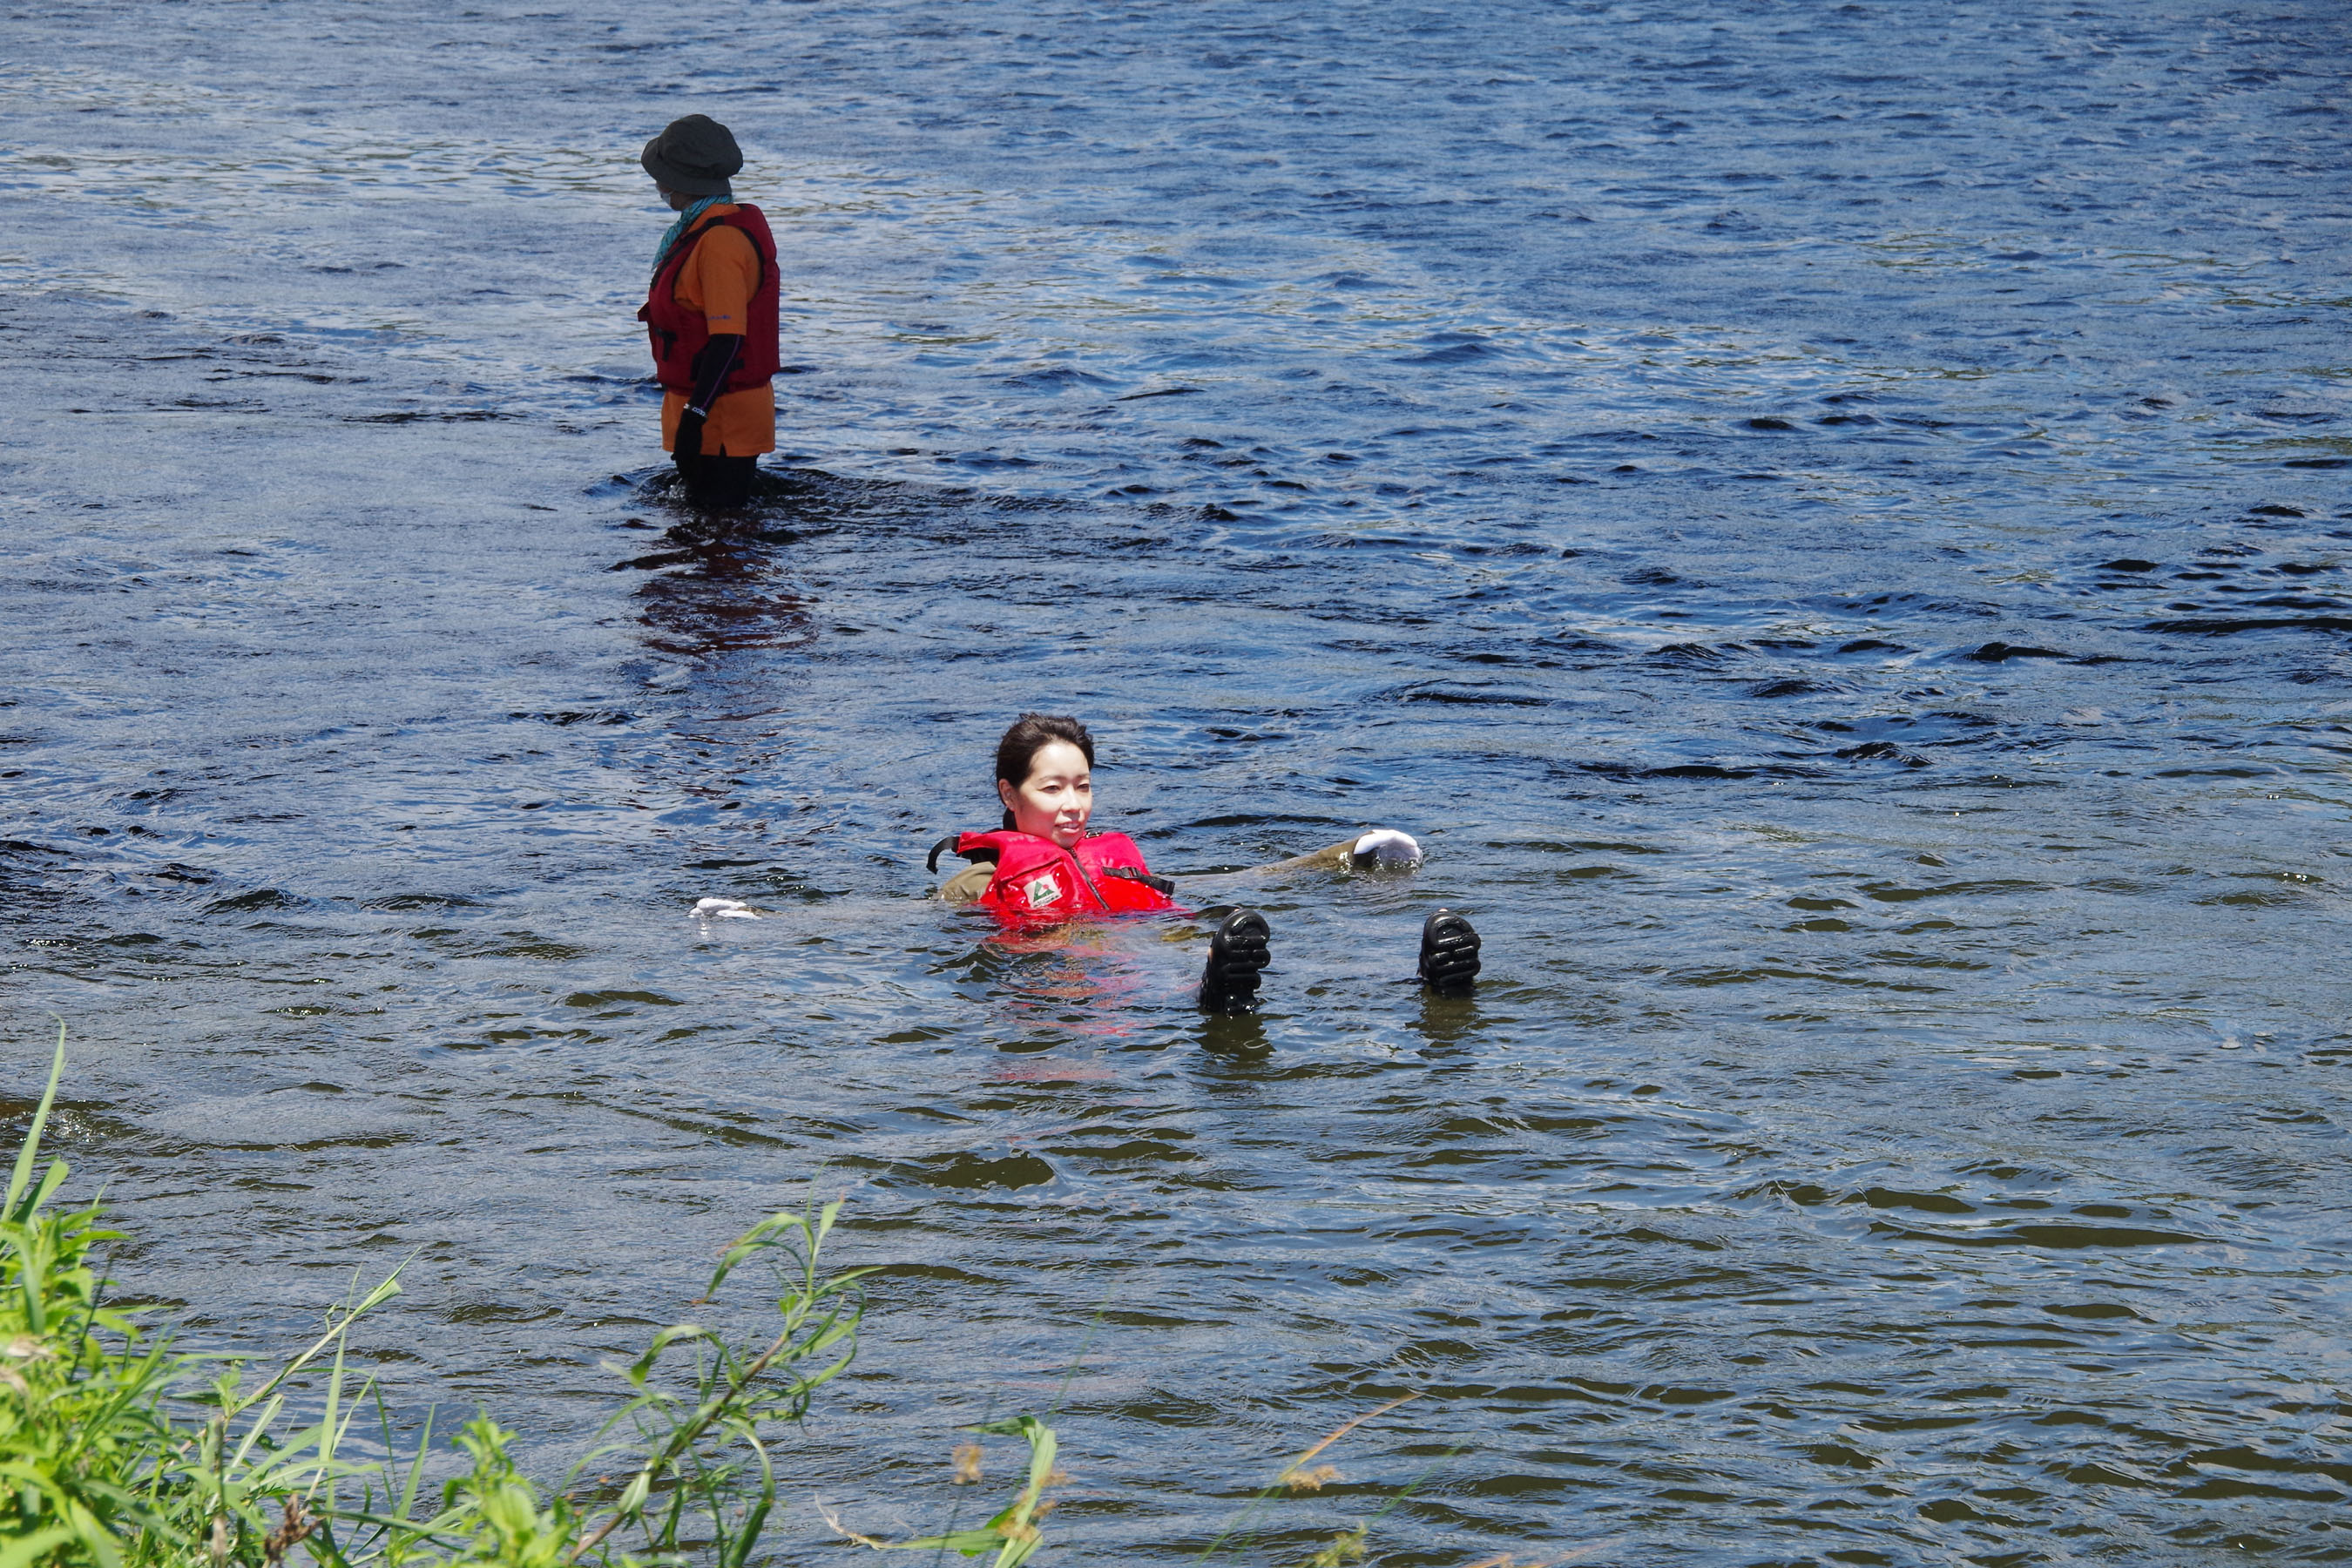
{"points": [[1054, 800]]}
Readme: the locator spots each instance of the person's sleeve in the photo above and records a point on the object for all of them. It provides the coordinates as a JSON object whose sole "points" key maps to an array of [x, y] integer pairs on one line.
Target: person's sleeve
{"points": [[967, 885], [729, 269]]}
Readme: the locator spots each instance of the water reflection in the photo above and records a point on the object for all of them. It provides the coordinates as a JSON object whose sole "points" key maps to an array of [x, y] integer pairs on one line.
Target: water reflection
{"points": [[727, 604]]}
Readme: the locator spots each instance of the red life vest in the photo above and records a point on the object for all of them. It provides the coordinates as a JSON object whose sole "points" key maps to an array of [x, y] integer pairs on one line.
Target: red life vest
{"points": [[1037, 879], [678, 334]]}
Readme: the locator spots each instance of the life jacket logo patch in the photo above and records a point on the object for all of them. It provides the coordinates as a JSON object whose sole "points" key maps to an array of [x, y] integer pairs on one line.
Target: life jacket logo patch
{"points": [[1043, 892]]}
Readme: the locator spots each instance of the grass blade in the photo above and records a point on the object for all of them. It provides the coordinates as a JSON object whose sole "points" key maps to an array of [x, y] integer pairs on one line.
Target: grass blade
{"points": [[26, 1156]]}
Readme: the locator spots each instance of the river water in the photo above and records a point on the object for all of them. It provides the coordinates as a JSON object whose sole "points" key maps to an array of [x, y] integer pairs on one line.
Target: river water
{"points": [[1829, 521]]}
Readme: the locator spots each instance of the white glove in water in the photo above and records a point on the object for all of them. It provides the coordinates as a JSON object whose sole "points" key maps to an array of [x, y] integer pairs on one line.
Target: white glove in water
{"points": [[1386, 847], [723, 910]]}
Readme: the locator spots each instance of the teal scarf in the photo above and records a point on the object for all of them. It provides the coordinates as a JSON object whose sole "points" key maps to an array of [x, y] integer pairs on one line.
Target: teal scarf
{"points": [[677, 230]]}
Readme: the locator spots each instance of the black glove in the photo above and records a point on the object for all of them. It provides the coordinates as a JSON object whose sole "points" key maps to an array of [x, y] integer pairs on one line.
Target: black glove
{"points": [[1237, 952], [1449, 953], [712, 361]]}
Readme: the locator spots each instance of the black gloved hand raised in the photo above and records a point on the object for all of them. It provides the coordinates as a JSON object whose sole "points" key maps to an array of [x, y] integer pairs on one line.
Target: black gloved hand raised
{"points": [[1237, 952], [1449, 953]]}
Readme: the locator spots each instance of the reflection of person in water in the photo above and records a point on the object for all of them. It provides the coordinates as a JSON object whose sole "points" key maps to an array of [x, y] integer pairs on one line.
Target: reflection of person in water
{"points": [[1044, 866], [710, 314]]}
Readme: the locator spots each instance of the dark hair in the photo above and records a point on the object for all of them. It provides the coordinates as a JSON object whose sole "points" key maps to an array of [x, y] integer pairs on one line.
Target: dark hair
{"points": [[1032, 733]]}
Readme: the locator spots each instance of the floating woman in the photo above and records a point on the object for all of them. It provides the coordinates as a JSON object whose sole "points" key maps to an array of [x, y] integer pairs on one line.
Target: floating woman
{"points": [[1045, 866]]}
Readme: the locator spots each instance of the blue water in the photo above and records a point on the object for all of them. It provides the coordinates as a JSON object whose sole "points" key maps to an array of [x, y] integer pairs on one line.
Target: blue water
{"points": [[1829, 521]]}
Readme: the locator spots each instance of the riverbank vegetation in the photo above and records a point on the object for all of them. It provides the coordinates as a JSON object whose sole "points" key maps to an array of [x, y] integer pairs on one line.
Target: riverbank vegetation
{"points": [[119, 1449]]}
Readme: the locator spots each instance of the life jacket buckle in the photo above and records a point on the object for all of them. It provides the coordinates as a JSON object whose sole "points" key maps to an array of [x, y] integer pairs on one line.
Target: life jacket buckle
{"points": [[1159, 885]]}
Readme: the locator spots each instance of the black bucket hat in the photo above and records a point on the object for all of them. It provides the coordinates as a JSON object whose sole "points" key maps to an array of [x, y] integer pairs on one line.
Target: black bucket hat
{"points": [[696, 155]]}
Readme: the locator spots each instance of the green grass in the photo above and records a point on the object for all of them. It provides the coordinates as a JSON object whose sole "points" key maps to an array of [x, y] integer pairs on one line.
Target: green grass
{"points": [[118, 1450]]}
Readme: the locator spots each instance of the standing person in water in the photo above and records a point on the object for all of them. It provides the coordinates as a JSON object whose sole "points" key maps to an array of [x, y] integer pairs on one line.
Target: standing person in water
{"points": [[1044, 866], [710, 315]]}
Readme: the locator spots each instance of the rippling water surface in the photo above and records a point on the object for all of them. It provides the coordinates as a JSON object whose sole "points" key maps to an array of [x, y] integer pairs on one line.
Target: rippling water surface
{"points": [[1829, 521]]}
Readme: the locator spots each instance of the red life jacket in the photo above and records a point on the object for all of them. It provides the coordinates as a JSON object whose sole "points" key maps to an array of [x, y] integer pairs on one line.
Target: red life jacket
{"points": [[1037, 879], [678, 334]]}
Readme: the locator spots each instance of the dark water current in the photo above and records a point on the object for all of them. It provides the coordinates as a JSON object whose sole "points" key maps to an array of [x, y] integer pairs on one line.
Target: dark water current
{"points": [[1828, 521]]}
